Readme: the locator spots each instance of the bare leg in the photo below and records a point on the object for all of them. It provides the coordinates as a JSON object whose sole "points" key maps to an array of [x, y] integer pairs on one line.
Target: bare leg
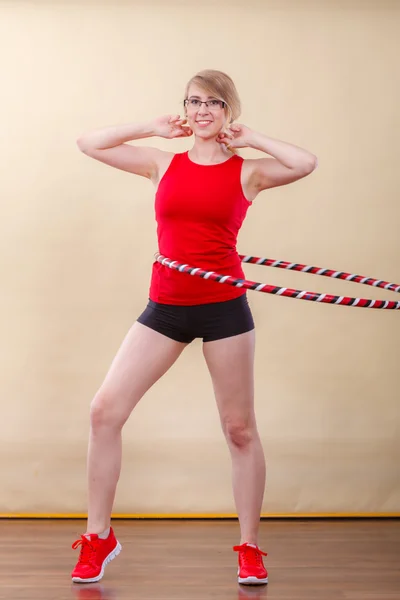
{"points": [[231, 365], [144, 356]]}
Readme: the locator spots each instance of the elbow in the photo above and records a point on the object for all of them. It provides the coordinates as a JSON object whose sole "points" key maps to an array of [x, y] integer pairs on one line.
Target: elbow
{"points": [[312, 164], [308, 166], [82, 144], [85, 144]]}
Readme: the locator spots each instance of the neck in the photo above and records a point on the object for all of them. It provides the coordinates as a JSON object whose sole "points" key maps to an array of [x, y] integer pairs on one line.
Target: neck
{"points": [[209, 151]]}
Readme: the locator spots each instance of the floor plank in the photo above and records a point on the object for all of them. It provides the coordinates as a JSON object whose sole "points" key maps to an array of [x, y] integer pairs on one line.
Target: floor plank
{"points": [[193, 560]]}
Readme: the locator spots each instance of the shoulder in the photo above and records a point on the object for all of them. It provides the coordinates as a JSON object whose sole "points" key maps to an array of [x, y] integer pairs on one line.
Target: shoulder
{"points": [[164, 160], [253, 176], [249, 170]]}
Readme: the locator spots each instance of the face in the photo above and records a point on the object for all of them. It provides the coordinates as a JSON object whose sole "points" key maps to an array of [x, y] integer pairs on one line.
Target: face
{"points": [[206, 120]]}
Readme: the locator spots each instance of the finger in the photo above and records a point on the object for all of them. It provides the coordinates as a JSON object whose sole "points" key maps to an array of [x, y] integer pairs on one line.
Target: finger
{"points": [[174, 118]]}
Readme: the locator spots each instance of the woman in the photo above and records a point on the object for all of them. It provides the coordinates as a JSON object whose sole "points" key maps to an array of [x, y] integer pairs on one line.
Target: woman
{"points": [[202, 197]]}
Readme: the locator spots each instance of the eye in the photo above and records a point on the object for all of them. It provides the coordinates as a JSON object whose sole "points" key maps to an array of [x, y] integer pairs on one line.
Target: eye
{"points": [[215, 102], [193, 102]]}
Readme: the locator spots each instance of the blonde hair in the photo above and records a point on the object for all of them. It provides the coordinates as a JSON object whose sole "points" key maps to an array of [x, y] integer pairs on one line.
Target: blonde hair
{"points": [[221, 87]]}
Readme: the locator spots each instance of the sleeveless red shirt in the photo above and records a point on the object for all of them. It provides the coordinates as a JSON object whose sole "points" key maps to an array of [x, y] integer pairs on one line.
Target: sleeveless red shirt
{"points": [[199, 210]]}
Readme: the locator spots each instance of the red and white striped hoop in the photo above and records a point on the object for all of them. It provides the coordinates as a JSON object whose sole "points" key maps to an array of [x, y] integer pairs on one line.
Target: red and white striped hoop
{"points": [[288, 292]]}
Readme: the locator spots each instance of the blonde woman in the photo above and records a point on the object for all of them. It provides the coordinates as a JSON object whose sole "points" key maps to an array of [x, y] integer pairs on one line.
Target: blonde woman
{"points": [[201, 199]]}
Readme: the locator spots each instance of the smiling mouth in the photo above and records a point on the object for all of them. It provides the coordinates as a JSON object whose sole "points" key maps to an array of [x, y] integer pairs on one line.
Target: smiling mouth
{"points": [[203, 123]]}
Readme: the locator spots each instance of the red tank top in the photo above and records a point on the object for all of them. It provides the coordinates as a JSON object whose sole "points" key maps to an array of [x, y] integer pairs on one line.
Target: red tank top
{"points": [[199, 210]]}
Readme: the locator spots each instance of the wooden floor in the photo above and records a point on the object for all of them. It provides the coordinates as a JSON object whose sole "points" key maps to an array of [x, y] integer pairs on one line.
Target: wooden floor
{"points": [[193, 560]]}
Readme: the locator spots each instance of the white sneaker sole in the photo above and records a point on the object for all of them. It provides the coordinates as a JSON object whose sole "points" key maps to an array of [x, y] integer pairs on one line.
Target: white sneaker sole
{"points": [[252, 580], [108, 559]]}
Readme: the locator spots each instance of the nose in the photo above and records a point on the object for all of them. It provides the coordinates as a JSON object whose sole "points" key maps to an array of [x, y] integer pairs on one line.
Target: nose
{"points": [[203, 109]]}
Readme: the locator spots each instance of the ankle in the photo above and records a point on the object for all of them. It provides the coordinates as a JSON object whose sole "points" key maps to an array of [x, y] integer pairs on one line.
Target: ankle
{"points": [[249, 540], [102, 532]]}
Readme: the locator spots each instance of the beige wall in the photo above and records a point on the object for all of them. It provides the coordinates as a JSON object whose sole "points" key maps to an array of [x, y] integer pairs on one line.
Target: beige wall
{"points": [[77, 240]]}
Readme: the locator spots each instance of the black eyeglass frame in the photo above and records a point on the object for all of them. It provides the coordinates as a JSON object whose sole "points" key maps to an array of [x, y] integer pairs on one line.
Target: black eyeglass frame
{"points": [[206, 102]]}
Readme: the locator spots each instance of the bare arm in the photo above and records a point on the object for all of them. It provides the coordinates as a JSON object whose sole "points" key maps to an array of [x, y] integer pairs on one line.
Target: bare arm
{"points": [[110, 145], [289, 162]]}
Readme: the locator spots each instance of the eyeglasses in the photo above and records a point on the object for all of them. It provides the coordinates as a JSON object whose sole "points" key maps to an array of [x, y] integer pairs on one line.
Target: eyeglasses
{"points": [[195, 103]]}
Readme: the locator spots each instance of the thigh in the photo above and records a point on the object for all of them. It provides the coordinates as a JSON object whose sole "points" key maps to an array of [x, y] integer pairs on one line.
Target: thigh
{"points": [[143, 357], [230, 362]]}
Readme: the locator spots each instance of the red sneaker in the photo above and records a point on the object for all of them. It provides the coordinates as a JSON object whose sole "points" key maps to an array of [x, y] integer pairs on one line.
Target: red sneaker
{"points": [[95, 554], [251, 568]]}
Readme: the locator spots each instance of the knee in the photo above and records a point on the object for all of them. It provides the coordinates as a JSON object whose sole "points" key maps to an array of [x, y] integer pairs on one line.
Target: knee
{"points": [[239, 433], [104, 412]]}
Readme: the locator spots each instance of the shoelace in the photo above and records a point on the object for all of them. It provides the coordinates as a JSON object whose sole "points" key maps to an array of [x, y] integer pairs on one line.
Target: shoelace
{"points": [[88, 550], [250, 555]]}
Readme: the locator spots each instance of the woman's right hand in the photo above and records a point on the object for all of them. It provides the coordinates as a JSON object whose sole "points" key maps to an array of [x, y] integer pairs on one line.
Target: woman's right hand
{"points": [[171, 126]]}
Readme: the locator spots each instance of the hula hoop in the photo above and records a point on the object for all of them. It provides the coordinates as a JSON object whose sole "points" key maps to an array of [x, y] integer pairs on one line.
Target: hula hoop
{"points": [[288, 292]]}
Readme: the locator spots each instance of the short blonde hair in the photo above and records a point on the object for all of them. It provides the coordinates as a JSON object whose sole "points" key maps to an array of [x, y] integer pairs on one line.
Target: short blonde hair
{"points": [[221, 87]]}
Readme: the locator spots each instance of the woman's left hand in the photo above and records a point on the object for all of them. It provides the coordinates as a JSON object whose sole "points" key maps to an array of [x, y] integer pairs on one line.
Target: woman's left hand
{"points": [[236, 136]]}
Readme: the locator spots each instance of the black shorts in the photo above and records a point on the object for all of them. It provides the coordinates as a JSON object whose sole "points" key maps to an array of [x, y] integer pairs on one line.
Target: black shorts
{"points": [[210, 322]]}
